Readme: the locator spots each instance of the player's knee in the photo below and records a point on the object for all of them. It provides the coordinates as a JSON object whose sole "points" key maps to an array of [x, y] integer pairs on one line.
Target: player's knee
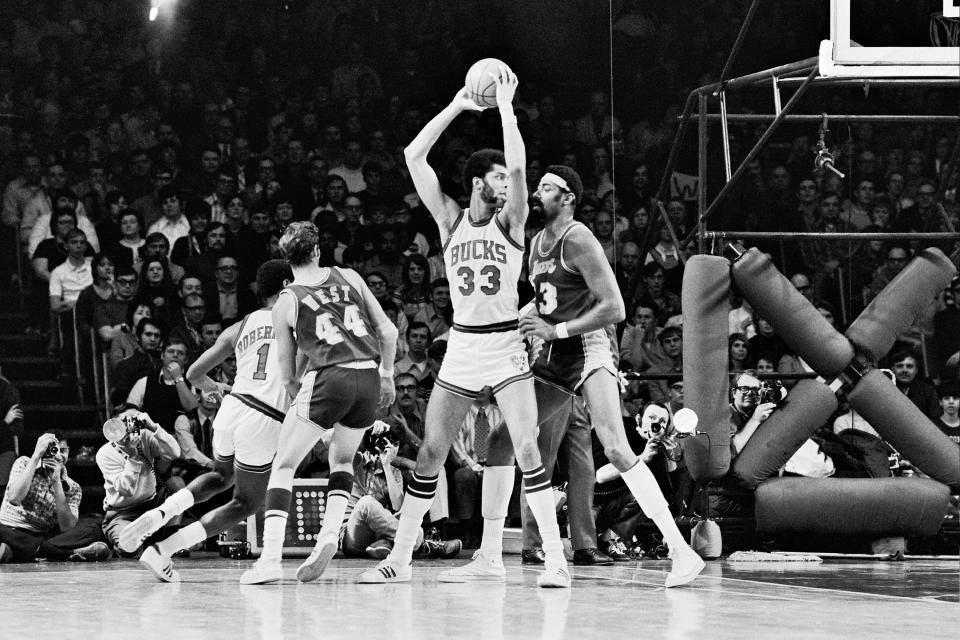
{"points": [[618, 455], [363, 504], [243, 506], [527, 453]]}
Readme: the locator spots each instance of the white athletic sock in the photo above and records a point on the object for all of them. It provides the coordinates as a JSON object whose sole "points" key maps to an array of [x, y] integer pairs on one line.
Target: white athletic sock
{"points": [[274, 528], [416, 502], [176, 505], [182, 539], [536, 484], [643, 485], [333, 514], [495, 497]]}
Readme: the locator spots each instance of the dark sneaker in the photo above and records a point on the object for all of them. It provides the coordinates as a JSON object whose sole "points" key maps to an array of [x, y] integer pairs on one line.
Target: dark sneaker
{"points": [[6, 553], [618, 551], [439, 549], [94, 552]]}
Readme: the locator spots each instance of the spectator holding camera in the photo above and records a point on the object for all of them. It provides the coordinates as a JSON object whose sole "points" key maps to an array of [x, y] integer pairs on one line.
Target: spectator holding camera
{"points": [[39, 516], [128, 472], [377, 497], [747, 411]]}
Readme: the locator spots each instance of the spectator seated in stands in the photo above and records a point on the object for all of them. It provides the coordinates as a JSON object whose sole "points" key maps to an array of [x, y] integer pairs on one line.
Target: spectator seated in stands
{"points": [[39, 516], [67, 281], [376, 499], [948, 422], [438, 314], [416, 362], [128, 475], [189, 328], [906, 368], [228, 298], [11, 428], [143, 360], [671, 344], [164, 393], [110, 313]]}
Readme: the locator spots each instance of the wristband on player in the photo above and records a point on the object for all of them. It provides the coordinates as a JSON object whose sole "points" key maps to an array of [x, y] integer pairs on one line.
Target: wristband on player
{"points": [[561, 330], [507, 118], [385, 373]]}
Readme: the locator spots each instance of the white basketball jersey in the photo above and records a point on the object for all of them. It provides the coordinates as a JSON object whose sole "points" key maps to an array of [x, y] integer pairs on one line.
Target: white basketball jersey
{"points": [[258, 370], [483, 265]]}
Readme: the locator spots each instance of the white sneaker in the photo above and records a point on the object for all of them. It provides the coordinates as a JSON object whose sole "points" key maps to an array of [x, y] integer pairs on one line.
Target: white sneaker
{"points": [[686, 566], [314, 566], [386, 571], [139, 530], [555, 576], [482, 568], [262, 572], [160, 566]]}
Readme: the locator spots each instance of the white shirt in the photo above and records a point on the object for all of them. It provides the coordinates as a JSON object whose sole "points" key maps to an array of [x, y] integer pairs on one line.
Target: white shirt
{"points": [[67, 280], [130, 481], [172, 230]]}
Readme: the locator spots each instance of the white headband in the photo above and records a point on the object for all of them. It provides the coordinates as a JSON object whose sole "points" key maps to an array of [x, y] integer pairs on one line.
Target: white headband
{"points": [[555, 179]]}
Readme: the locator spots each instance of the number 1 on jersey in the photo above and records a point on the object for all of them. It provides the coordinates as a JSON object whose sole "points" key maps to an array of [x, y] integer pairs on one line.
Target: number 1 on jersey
{"points": [[261, 372]]}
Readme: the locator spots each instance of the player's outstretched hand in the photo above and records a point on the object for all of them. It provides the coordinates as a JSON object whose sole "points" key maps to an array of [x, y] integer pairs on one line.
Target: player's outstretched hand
{"points": [[535, 327], [465, 102], [506, 86], [387, 392]]}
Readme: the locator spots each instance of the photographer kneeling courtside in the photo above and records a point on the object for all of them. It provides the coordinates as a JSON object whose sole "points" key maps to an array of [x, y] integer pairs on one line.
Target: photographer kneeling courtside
{"points": [[127, 462], [39, 516]]}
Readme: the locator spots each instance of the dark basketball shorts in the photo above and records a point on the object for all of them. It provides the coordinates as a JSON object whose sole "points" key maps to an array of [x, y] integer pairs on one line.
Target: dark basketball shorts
{"points": [[566, 363], [341, 395]]}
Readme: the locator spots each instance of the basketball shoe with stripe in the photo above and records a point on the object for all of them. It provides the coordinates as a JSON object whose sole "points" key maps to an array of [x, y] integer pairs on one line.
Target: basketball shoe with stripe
{"points": [[386, 571]]}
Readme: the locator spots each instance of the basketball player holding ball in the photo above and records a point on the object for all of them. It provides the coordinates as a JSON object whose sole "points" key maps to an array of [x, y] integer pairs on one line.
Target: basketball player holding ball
{"points": [[483, 253]]}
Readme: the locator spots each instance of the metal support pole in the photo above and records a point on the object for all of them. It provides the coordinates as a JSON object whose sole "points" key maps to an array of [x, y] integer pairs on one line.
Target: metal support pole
{"points": [[738, 43], [755, 151], [726, 134], [777, 107], [796, 236], [800, 117], [701, 169], [95, 361], [76, 355]]}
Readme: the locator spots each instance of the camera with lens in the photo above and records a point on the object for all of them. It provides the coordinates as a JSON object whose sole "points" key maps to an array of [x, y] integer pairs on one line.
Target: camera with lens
{"points": [[52, 449], [134, 424], [771, 391], [380, 443]]}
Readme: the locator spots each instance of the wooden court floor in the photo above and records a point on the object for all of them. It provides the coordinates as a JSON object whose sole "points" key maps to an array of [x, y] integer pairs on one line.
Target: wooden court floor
{"points": [[836, 599]]}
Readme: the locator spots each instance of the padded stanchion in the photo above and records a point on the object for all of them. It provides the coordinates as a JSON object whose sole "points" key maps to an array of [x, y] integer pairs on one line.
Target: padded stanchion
{"points": [[706, 310], [852, 506], [904, 426], [807, 408], [793, 317], [893, 311]]}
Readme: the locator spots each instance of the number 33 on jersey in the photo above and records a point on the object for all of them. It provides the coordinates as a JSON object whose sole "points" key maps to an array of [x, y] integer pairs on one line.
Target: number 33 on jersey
{"points": [[332, 324], [483, 264]]}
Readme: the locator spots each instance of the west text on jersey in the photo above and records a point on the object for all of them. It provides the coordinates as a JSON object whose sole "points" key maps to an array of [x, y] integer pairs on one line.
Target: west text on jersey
{"points": [[327, 295], [478, 249]]}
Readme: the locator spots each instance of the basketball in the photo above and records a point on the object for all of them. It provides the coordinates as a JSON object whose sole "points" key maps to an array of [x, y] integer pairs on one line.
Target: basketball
{"points": [[483, 89]]}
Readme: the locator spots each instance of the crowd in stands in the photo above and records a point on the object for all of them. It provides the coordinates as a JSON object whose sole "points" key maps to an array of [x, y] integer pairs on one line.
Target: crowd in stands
{"points": [[146, 175]]}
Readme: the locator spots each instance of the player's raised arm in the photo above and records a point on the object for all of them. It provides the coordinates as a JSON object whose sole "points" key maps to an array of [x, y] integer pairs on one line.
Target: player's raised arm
{"points": [[284, 318], [220, 351], [516, 209], [442, 207]]}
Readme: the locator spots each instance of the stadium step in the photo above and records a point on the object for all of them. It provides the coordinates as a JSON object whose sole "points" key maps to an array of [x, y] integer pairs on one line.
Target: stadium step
{"points": [[19, 368], [37, 392], [22, 346], [13, 323]]}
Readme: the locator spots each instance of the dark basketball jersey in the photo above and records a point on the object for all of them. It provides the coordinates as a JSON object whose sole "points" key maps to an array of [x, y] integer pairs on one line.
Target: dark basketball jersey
{"points": [[561, 293], [332, 324]]}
